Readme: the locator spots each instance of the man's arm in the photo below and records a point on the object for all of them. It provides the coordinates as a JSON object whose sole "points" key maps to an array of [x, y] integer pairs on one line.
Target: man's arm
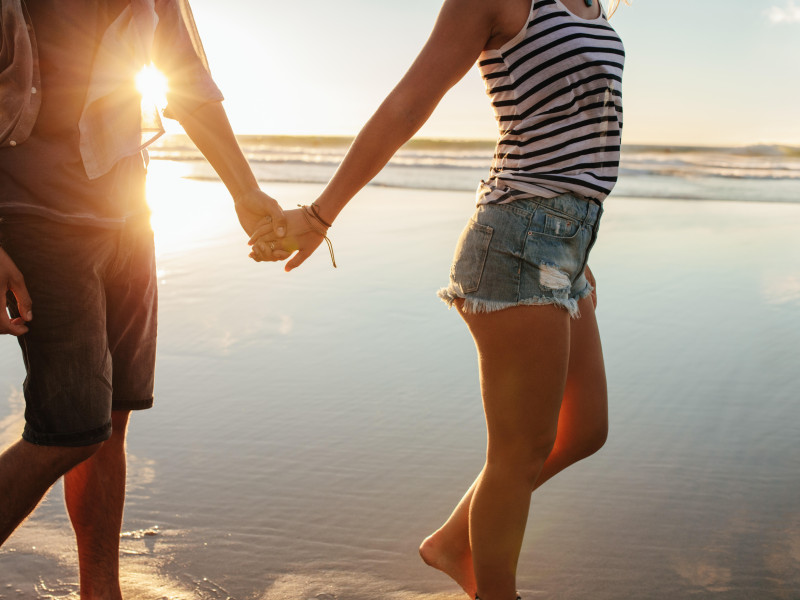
{"points": [[210, 130], [195, 101], [11, 280]]}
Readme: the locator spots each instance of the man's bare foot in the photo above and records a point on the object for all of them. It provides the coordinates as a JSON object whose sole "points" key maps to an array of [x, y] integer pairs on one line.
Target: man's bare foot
{"points": [[457, 565]]}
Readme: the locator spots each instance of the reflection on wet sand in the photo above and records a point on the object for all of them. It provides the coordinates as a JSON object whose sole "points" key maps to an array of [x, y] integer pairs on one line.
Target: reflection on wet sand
{"points": [[12, 423], [342, 585], [40, 561]]}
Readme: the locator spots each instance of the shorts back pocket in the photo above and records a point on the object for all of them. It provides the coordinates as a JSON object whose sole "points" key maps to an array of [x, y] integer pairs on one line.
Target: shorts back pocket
{"points": [[470, 257]]}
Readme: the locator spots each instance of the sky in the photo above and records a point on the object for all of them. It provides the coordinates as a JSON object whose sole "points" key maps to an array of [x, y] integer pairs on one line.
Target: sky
{"points": [[698, 72]]}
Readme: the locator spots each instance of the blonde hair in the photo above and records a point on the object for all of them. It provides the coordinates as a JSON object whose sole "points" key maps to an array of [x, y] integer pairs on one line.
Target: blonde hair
{"points": [[613, 5]]}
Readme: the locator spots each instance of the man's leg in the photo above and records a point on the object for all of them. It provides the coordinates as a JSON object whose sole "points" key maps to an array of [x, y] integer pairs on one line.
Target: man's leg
{"points": [[26, 473], [95, 496]]}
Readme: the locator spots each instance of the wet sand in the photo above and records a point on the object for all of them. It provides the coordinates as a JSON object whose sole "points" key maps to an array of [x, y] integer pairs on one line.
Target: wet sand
{"points": [[311, 428]]}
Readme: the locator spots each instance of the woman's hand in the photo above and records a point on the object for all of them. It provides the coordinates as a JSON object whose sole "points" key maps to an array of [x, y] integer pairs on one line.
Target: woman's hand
{"points": [[590, 278], [300, 237]]}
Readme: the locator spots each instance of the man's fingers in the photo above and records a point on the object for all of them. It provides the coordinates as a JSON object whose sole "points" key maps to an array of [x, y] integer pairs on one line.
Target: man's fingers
{"points": [[261, 231], [24, 302], [276, 212], [279, 224], [16, 283], [13, 326], [18, 326]]}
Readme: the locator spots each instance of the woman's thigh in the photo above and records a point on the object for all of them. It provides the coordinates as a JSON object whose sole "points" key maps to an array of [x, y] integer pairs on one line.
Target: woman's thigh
{"points": [[523, 355], [583, 419]]}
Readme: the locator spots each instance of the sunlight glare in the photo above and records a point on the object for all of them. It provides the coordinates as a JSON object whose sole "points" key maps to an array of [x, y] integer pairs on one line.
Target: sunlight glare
{"points": [[152, 85], [187, 213]]}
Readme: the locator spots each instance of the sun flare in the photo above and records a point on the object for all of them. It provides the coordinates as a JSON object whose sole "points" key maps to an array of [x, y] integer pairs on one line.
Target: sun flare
{"points": [[152, 85], [187, 213]]}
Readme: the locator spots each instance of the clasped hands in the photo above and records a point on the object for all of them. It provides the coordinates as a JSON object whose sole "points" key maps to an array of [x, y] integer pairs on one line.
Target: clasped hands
{"points": [[305, 232], [275, 234]]}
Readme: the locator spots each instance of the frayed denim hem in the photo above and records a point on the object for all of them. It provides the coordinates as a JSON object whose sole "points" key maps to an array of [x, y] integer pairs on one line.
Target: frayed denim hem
{"points": [[477, 305]]}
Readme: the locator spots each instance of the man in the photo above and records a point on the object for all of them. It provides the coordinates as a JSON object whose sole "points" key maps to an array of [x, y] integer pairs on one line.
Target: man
{"points": [[76, 255]]}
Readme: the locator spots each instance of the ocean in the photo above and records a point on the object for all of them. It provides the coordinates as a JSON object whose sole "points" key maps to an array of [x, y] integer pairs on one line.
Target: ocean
{"points": [[311, 428], [757, 173]]}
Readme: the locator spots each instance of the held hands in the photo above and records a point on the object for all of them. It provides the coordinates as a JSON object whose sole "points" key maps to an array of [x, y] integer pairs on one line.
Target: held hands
{"points": [[11, 280], [306, 231], [254, 207]]}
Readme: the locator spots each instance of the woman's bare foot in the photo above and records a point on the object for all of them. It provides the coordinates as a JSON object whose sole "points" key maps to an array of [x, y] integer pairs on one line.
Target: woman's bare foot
{"points": [[457, 565]]}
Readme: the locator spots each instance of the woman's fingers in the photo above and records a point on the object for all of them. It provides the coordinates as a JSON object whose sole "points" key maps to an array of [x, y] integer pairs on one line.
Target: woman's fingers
{"points": [[298, 260], [272, 251]]}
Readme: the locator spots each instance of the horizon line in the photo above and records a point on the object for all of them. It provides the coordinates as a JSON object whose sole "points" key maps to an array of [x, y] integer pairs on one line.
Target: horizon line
{"points": [[469, 140]]}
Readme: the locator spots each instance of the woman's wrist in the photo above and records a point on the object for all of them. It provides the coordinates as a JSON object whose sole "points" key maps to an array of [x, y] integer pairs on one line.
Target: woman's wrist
{"points": [[318, 226], [326, 208], [312, 220], [318, 216]]}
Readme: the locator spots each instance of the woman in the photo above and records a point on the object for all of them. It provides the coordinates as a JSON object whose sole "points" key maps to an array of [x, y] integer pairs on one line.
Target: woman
{"points": [[519, 278]]}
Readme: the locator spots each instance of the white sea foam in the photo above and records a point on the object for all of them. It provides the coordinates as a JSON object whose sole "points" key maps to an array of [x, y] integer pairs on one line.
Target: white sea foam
{"points": [[749, 173]]}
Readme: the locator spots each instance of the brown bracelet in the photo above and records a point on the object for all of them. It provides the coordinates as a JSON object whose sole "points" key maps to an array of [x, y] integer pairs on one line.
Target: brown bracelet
{"points": [[315, 210], [311, 218]]}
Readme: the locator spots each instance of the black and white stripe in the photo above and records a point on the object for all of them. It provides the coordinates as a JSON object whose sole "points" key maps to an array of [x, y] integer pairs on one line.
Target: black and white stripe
{"points": [[555, 90]]}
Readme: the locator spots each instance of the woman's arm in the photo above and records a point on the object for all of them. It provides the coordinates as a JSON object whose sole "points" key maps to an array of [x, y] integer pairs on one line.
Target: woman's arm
{"points": [[462, 30]]}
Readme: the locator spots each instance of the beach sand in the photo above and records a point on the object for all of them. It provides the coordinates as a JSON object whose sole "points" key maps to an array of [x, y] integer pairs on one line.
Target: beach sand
{"points": [[311, 428]]}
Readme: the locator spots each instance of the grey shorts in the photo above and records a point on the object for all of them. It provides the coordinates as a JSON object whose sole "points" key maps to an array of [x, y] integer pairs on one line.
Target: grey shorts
{"points": [[91, 345], [530, 251]]}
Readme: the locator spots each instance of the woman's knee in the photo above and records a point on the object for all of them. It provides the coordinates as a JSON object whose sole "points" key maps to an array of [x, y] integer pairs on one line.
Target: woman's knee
{"points": [[595, 438], [590, 445], [589, 441], [522, 459]]}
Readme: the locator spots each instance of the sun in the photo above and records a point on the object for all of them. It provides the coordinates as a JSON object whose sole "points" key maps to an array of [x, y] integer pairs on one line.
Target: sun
{"points": [[152, 85]]}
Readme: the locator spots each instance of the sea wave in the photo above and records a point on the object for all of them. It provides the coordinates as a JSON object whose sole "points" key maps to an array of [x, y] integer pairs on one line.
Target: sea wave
{"points": [[748, 173], [761, 162]]}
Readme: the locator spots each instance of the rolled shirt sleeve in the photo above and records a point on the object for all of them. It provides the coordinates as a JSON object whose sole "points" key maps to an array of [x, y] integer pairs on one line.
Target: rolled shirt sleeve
{"points": [[189, 80], [20, 80]]}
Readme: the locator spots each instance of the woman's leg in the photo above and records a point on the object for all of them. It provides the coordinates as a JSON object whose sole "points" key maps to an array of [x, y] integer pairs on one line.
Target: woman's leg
{"points": [[523, 355], [582, 430]]}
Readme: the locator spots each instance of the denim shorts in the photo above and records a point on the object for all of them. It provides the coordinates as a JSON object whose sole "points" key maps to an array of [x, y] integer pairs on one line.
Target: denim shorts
{"points": [[529, 251], [91, 345]]}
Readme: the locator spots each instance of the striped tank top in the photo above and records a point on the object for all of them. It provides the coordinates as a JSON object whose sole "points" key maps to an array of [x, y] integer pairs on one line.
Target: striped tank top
{"points": [[556, 93]]}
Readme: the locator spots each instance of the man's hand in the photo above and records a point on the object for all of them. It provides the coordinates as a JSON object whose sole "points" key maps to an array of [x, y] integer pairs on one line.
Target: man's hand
{"points": [[301, 236], [11, 279], [590, 278], [254, 207]]}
